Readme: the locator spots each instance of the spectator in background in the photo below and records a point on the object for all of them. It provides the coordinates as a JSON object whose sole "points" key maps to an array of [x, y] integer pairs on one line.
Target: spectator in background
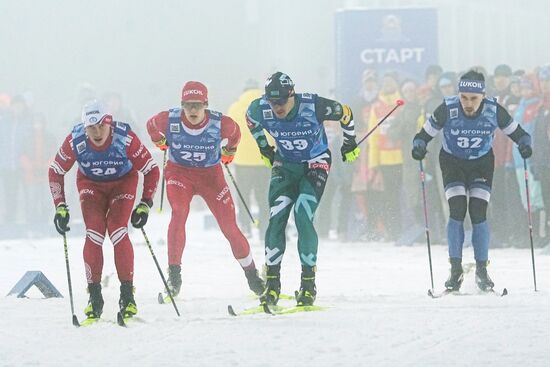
{"points": [[432, 75], [501, 83], [84, 92], [17, 167], [540, 163], [505, 192], [42, 148], [114, 103], [5, 101], [405, 125], [353, 188], [526, 112], [515, 94], [250, 172], [386, 159]]}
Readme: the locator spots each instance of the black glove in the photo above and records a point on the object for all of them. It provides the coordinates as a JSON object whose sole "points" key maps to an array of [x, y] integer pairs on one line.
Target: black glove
{"points": [[349, 150], [524, 146], [419, 149], [268, 155], [61, 219], [140, 214]]}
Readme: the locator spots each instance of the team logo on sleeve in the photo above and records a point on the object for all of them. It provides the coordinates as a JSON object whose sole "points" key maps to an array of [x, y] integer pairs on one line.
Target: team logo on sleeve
{"points": [[453, 113], [268, 114], [121, 126]]}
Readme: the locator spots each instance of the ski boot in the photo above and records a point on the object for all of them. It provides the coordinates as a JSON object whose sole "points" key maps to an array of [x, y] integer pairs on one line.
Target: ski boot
{"points": [[457, 275], [174, 284], [255, 283], [127, 303], [483, 280], [272, 285], [94, 309], [174, 279], [307, 293]]}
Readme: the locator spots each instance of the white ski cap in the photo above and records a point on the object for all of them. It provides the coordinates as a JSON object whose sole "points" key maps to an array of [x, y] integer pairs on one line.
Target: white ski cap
{"points": [[93, 113]]}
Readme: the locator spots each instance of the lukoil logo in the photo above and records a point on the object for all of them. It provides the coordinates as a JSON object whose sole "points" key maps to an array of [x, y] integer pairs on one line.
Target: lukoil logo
{"points": [[193, 91]]}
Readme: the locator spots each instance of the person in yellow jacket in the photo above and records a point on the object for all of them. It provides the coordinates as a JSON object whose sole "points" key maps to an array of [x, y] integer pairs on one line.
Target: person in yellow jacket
{"points": [[386, 160], [251, 174]]}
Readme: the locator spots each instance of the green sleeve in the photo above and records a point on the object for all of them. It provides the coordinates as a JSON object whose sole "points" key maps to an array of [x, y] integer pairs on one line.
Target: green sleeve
{"points": [[253, 118]]}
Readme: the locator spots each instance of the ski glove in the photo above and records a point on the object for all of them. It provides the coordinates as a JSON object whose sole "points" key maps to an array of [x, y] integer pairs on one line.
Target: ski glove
{"points": [[140, 214], [228, 155], [419, 149], [349, 151], [268, 155], [161, 144], [524, 146], [61, 219]]}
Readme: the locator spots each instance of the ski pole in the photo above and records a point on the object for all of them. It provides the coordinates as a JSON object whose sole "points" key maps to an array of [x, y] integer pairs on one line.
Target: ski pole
{"points": [[160, 271], [529, 221], [254, 221], [162, 184], [427, 229], [75, 320], [398, 103]]}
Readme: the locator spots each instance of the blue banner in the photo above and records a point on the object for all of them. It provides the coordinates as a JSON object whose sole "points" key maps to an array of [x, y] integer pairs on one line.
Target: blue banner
{"points": [[400, 40]]}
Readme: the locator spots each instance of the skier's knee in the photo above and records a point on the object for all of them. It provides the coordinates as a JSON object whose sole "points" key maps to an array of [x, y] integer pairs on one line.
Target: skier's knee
{"points": [[478, 210], [457, 207]]}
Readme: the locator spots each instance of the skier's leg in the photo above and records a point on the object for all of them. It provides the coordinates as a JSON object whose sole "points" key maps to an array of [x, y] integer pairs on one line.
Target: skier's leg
{"points": [[311, 188], [121, 201], [179, 191], [215, 192], [94, 208], [94, 205], [283, 190]]}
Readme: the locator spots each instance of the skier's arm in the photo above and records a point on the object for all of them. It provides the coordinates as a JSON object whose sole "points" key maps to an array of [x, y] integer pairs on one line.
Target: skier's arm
{"points": [[231, 136], [431, 128], [433, 124], [156, 127], [328, 109], [508, 126], [62, 163], [253, 122], [231, 132], [515, 132], [142, 160]]}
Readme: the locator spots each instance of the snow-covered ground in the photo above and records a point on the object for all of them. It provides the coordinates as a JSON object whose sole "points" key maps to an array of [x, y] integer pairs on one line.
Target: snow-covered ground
{"points": [[379, 312]]}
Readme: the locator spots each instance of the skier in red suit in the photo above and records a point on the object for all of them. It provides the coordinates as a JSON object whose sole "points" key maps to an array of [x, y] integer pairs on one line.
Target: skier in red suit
{"points": [[109, 156], [194, 136]]}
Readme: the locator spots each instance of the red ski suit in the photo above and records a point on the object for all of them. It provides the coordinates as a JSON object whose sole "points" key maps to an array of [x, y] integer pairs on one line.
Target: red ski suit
{"points": [[182, 183], [106, 205]]}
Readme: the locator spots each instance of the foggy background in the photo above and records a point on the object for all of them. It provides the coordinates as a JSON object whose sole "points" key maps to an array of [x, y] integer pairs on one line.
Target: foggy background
{"points": [[147, 50], [52, 50]]}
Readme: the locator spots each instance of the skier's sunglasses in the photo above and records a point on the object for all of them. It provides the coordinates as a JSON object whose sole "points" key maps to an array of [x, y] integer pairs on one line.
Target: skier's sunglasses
{"points": [[277, 102], [192, 105]]}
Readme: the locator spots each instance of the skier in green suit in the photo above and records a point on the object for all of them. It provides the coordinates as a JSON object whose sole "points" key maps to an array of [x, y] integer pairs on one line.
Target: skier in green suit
{"points": [[300, 166]]}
